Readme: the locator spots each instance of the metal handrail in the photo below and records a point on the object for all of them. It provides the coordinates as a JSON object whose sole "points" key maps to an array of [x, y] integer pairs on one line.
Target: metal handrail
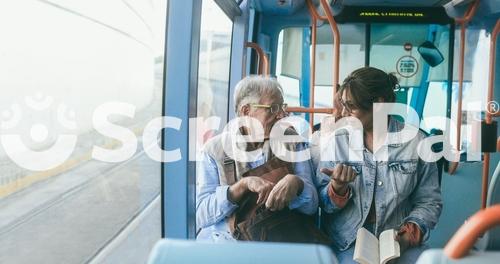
{"points": [[336, 49], [263, 60], [333, 25], [310, 110], [314, 13], [463, 240], [463, 23], [488, 119]]}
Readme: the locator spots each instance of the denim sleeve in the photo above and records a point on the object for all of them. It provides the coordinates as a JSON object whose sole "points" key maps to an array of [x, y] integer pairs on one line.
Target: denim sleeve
{"points": [[322, 185], [426, 198], [307, 201], [212, 204]]}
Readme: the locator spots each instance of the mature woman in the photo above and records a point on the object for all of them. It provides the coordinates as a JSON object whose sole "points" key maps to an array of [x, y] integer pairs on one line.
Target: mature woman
{"points": [[218, 195], [402, 193]]}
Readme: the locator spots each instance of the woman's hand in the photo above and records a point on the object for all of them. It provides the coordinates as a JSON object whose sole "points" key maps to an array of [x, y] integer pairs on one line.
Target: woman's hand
{"points": [[284, 191], [409, 235], [340, 176]]}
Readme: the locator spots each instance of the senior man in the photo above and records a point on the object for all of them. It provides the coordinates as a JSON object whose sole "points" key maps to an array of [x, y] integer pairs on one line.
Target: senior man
{"points": [[217, 197]]}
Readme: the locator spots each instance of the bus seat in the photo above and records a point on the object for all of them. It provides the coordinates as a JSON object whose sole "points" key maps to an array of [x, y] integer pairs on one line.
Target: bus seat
{"points": [[494, 198], [458, 249], [437, 256], [191, 251]]}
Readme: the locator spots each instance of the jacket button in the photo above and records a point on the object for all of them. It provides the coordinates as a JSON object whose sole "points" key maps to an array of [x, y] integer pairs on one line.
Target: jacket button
{"points": [[379, 183]]}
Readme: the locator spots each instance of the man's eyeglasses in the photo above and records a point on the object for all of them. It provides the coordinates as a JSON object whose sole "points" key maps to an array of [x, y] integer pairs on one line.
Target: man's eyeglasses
{"points": [[273, 108], [348, 106]]}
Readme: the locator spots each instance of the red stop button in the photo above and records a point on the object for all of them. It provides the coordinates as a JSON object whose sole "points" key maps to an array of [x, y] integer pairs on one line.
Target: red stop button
{"points": [[408, 46]]}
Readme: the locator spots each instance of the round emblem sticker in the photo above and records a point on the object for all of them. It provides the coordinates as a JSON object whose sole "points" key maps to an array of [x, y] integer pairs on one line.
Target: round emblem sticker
{"points": [[407, 66]]}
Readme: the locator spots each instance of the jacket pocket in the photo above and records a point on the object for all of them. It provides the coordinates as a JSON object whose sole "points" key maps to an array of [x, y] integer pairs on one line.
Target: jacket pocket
{"points": [[404, 175]]}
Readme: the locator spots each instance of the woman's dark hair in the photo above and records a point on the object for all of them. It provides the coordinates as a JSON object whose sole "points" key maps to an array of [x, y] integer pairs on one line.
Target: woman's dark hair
{"points": [[366, 85]]}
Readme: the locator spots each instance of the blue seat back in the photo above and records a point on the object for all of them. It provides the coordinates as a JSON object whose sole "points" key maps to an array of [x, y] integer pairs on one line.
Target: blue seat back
{"points": [[190, 251], [437, 256]]}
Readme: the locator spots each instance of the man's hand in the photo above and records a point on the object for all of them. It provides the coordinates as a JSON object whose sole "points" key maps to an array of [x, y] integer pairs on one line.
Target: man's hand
{"points": [[284, 191], [253, 184], [260, 186], [340, 176]]}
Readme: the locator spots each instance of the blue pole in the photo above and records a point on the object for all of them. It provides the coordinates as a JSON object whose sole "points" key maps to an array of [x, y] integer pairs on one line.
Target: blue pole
{"points": [[306, 65], [179, 86]]}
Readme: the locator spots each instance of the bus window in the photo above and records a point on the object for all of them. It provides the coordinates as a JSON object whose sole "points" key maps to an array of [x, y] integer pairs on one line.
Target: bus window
{"points": [[61, 62], [213, 69], [394, 48], [352, 56], [435, 106], [292, 70], [287, 74], [474, 94], [476, 66], [214, 62], [397, 48]]}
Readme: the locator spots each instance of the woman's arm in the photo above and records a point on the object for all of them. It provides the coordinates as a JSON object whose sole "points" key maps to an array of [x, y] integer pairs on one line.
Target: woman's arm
{"points": [[426, 198], [331, 200]]}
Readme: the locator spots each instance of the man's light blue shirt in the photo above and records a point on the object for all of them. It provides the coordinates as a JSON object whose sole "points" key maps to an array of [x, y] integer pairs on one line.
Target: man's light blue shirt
{"points": [[213, 207]]}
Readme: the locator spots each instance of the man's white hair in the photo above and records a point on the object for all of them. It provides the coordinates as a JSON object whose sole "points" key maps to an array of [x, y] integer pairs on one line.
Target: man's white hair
{"points": [[252, 88]]}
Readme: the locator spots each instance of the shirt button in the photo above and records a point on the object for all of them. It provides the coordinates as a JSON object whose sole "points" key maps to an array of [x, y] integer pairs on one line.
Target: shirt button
{"points": [[379, 183]]}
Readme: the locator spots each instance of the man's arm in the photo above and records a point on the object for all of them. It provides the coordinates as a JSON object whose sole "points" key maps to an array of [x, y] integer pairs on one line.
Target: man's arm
{"points": [[307, 201], [215, 202], [212, 199]]}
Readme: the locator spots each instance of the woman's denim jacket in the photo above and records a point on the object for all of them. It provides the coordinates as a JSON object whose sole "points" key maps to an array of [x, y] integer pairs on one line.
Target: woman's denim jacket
{"points": [[405, 189]]}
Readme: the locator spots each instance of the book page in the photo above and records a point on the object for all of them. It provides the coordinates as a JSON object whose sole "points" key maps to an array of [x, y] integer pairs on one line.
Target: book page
{"points": [[389, 247], [366, 250]]}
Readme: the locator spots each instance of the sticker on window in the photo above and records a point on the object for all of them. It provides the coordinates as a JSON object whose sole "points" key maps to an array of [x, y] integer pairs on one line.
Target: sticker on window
{"points": [[407, 66]]}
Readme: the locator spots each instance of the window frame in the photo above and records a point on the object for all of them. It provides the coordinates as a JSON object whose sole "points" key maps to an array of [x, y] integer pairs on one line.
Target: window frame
{"points": [[181, 85]]}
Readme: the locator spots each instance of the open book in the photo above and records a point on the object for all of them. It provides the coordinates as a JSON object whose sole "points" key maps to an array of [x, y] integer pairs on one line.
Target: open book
{"points": [[370, 250]]}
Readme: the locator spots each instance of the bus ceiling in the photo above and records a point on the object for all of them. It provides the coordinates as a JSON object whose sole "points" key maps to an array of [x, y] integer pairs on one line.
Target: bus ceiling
{"points": [[422, 11], [274, 16]]}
